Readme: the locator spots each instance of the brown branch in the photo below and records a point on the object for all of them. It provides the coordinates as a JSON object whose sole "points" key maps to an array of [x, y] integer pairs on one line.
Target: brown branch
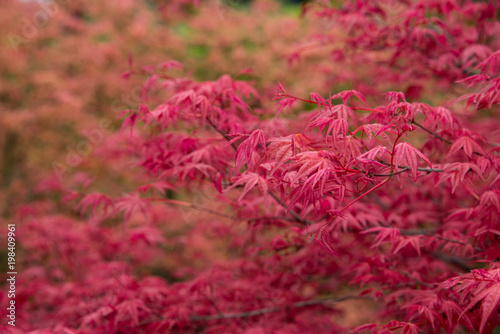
{"points": [[453, 260], [266, 310], [268, 218], [417, 281], [220, 214], [391, 174], [431, 233], [294, 214], [456, 261], [222, 133], [404, 170], [431, 133], [438, 136], [407, 169]]}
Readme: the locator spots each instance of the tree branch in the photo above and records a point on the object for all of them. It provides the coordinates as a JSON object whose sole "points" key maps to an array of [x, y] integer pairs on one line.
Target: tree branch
{"points": [[431, 133], [261, 311], [294, 214], [220, 214], [266, 310], [222, 133]]}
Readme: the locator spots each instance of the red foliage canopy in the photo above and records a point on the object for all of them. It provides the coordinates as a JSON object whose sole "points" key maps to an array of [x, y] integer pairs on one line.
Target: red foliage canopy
{"points": [[346, 197]]}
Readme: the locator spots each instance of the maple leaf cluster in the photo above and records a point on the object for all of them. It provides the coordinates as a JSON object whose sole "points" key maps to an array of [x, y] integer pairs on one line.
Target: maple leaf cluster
{"points": [[249, 217]]}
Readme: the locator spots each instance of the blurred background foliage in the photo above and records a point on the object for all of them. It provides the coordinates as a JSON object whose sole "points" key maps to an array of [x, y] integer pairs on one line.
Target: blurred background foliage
{"points": [[61, 67]]}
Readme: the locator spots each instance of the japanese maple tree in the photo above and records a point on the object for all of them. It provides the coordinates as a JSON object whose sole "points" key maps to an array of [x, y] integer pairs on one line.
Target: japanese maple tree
{"points": [[249, 216]]}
